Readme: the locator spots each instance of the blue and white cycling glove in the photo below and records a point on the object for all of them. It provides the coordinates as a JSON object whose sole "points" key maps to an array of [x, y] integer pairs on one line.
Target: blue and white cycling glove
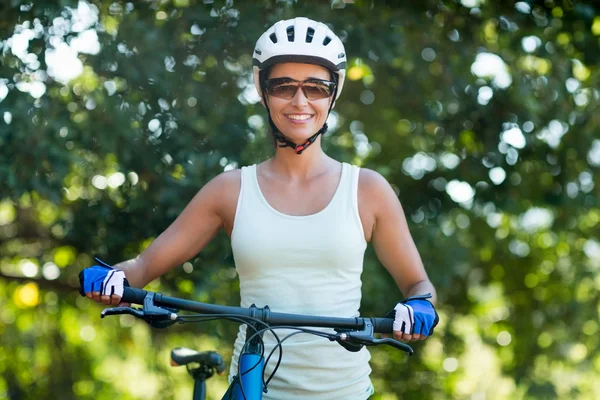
{"points": [[415, 315], [102, 278]]}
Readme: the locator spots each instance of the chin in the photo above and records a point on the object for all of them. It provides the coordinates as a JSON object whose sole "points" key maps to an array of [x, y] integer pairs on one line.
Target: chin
{"points": [[299, 136], [301, 133]]}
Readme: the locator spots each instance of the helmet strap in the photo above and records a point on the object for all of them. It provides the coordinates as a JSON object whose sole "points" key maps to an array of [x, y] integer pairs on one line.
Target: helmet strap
{"points": [[298, 148], [285, 142]]}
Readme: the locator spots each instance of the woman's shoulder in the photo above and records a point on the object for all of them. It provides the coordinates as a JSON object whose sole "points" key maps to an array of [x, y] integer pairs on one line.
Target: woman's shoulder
{"points": [[228, 183], [374, 188], [222, 193], [369, 179], [224, 187], [228, 177]]}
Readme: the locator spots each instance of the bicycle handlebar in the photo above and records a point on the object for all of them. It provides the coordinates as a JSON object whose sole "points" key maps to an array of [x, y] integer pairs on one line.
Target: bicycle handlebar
{"points": [[358, 330], [380, 325]]}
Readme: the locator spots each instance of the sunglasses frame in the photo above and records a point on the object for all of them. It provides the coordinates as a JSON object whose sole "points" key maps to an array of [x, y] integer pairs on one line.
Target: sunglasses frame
{"points": [[270, 83]]}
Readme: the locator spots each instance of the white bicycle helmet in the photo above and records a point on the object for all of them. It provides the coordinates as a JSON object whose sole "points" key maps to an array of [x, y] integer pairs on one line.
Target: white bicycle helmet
{"points": [[300, 40]]}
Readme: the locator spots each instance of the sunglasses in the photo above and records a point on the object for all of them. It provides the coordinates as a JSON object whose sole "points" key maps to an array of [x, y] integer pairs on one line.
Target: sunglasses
{"points": [[286, 88]]}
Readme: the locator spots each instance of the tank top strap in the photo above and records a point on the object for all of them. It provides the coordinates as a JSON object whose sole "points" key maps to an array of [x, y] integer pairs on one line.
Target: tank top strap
{"points": [[249, 177], [354, 173], [248, 189], [351, 194], [342, 198]]}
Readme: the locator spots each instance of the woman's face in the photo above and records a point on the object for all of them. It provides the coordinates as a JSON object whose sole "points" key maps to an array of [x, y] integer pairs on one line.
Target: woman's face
{"points": [[298, 118]]}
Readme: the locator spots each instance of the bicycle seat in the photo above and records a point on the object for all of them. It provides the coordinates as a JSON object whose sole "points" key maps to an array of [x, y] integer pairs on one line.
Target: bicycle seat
{"points": [[185, 356]]}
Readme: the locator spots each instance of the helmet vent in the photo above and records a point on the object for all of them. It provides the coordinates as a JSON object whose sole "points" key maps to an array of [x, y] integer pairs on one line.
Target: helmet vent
{"points": [[290, 33], [273, 37], [326, 41], [310, 33], [341, 55]]}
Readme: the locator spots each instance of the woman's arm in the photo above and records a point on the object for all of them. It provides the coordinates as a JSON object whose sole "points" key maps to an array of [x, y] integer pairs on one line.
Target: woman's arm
{"points": [[391, 238], [197, 224]]}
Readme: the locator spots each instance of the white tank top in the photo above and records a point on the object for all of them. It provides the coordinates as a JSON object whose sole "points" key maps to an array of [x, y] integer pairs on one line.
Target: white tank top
{"points": [[304, 265]]}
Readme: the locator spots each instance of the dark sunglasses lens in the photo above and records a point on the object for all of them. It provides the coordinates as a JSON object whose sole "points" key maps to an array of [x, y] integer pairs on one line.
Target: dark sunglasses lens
{"points": [[316, 91], [283, 91]]}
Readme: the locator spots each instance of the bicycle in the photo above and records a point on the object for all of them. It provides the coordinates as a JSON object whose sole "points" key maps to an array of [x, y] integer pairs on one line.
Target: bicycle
{"points": [[249, 384]]}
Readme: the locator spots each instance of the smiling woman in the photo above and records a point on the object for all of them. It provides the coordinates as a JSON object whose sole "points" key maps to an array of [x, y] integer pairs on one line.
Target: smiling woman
{"points": [[299, 225], [483, 121]]}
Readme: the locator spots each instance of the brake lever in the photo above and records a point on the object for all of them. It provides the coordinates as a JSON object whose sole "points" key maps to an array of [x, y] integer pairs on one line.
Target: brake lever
{"points": [[136, 312], [395, 343], [155, 316], [365, 337]]}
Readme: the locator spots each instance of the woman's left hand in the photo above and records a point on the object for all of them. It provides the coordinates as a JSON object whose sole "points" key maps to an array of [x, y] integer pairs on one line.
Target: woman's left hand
{"points": [[408, 338], [414, 319]]}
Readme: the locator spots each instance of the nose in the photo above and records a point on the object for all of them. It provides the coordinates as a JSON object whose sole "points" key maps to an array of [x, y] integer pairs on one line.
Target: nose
{"points": [[299, 98]]}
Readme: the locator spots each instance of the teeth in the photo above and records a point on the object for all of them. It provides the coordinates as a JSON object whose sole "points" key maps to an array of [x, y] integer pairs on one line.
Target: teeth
{"points": [[299, 117]]}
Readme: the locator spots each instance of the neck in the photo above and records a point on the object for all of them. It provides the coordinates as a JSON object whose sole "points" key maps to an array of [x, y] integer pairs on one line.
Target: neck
{"points": [[304, 166]]}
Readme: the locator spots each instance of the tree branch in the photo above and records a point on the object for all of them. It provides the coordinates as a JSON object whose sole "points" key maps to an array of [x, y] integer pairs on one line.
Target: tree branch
{"points": [[44, 284]]}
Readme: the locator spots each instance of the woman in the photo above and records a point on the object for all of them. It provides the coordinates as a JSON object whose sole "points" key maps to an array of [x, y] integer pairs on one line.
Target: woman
{"points": [[299, 224]]}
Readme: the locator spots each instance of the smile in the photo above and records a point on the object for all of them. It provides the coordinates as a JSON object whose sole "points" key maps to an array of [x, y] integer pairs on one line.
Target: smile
{"points": [[299, 117]]}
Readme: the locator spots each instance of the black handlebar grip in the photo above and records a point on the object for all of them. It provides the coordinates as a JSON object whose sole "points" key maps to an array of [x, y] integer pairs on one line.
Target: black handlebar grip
{"points": [[383, 325], [133, 295]]}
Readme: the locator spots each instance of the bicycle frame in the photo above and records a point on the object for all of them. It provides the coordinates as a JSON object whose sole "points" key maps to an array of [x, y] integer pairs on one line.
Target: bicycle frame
{"points": [[356, 331], [250, 386]]}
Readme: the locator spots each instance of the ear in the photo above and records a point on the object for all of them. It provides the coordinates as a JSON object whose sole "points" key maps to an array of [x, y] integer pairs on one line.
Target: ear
{"points": [[264, 99]]}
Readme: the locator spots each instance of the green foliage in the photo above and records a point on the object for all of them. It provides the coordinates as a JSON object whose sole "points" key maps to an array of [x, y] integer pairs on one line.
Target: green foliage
{"points": [[496, 163]]}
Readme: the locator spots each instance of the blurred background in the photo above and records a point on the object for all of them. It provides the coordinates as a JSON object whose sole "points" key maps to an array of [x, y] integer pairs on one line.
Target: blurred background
{"points": [[483, 115]]}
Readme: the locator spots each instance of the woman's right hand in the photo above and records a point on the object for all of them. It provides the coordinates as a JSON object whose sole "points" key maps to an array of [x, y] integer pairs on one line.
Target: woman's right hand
{"points": [[103, 284]]}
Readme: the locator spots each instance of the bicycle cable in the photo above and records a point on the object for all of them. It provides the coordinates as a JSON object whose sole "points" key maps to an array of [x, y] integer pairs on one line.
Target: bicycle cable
{"points": [[257, 333], [299, 330], [244, 320]]}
